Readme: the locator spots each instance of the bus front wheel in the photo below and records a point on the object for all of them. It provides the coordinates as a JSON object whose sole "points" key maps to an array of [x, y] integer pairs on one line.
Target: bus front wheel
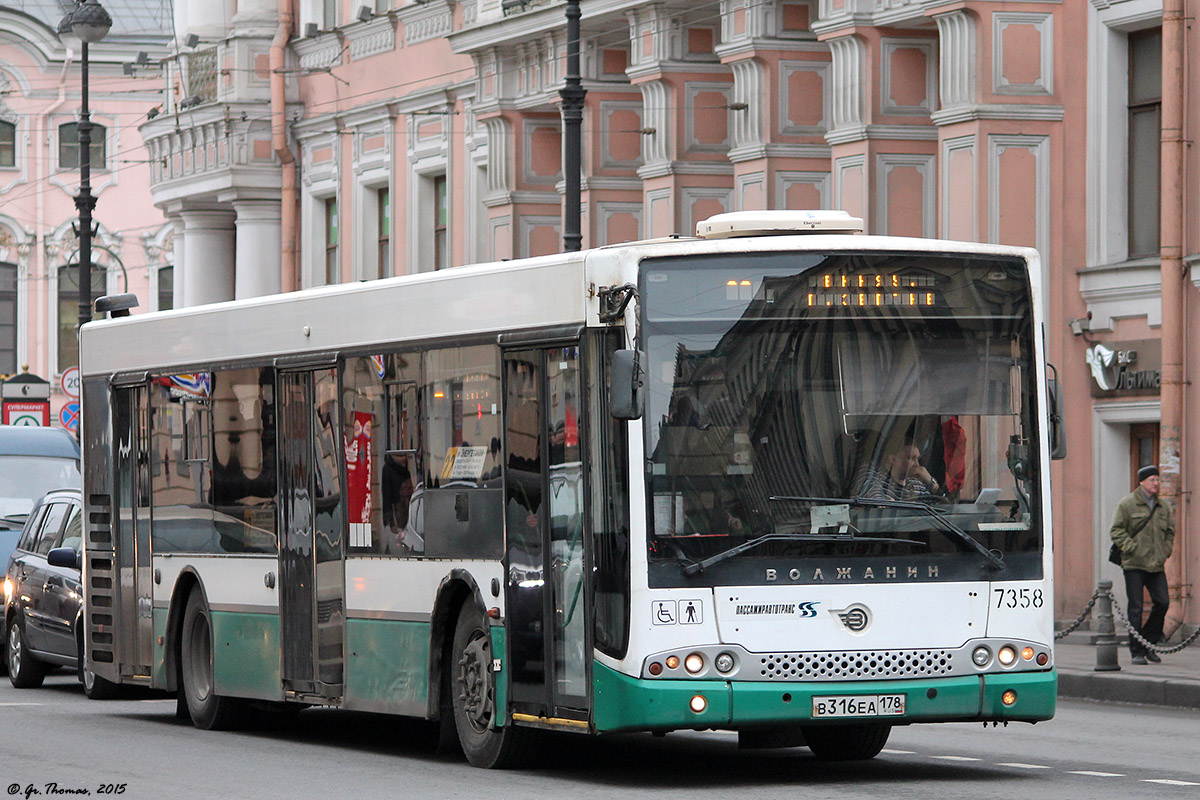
{"points": [[473, 694], [208, 710], [854, 742]]}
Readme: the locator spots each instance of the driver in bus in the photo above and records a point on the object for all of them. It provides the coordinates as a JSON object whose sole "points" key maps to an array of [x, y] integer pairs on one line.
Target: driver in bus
{"points": [[901, 476]]}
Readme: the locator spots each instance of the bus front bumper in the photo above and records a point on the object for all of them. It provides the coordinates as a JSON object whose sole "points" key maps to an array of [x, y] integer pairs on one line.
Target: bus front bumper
{"points": [[624, 703]]}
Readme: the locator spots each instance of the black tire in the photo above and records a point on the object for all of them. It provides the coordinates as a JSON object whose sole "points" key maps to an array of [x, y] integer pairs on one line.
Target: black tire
{"points": [[473, 697], [208, 710], [854, 742], [24, 671], [94, 687]]}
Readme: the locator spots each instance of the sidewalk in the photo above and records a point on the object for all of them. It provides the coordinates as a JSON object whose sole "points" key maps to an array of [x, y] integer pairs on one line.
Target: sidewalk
{"points": [[1175, 682]]}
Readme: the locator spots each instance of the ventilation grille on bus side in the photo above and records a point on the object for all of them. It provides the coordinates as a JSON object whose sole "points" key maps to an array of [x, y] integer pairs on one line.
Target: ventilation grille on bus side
{"points": [[101, 579], [877, 664]]}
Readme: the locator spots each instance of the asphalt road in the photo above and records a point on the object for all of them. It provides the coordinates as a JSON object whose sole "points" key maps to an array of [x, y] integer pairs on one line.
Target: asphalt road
{"points": [[54, 742]]}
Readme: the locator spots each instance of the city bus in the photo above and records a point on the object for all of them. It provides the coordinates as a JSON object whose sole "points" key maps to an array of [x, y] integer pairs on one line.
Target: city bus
{"points": [[625, 489]]}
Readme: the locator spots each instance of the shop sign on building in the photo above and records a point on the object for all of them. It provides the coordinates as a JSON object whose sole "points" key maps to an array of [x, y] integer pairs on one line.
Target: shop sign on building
{"points": [[1125, 369], [26, 400]]}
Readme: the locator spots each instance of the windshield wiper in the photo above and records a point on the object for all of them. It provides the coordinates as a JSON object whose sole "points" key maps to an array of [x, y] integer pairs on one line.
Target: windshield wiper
{"points": [[696, 567], [994, 558]]}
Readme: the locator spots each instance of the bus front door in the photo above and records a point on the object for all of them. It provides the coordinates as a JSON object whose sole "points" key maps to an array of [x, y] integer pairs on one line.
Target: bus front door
{"points": [[544, 518], [311, 549], [131, 534]]}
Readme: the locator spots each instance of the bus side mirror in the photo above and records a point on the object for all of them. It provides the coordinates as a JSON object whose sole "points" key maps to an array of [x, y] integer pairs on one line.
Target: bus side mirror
{"points": [[627, 385], [1058, 434]]}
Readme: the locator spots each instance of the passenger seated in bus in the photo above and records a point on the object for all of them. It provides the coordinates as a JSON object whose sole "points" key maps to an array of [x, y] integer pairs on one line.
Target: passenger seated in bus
{"points": [[900, 476]]}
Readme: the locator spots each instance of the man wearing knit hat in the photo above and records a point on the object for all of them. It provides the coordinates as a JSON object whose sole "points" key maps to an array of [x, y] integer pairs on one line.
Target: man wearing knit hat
{"points": [[1143, 530]]}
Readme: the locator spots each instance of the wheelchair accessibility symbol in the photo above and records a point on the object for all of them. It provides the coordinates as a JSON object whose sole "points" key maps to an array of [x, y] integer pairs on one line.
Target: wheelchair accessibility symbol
{"points": [[677, 612]]}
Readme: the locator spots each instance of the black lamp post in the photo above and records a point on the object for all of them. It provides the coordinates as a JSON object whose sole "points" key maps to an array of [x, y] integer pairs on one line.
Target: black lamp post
{"points": [[88, 22], [572, 94]]}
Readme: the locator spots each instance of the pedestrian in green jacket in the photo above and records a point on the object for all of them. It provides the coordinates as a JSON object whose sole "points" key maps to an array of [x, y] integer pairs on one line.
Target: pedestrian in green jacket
{"points": [[1142, 528]]}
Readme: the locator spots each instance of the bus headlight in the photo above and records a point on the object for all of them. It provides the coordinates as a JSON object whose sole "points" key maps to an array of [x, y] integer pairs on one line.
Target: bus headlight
{"points": [[694, 663], [981, 656], [1007, 655], [698, 704], [723, 663]]}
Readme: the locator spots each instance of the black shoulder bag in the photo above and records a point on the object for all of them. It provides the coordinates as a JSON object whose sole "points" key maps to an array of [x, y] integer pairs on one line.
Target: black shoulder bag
{"points": [[1114, 552]]}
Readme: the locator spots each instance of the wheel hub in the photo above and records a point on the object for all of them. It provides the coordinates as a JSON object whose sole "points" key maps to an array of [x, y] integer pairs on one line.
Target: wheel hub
{"points": [[474, 684]]}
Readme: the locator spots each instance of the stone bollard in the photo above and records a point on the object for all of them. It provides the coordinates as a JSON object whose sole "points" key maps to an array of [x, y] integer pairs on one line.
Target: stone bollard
{"points": [[1106, 631]]}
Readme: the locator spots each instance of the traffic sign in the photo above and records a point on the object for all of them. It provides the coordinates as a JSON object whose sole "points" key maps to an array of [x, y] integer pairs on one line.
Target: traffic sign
{"points": [[69, 416], [69, 382]]}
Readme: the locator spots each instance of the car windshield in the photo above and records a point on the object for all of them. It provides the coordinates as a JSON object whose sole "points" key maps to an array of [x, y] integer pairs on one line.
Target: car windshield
{"points": [[23, 479], [868, 414]]}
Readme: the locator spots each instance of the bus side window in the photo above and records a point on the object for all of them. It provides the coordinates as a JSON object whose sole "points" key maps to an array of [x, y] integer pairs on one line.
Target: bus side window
{"points": [[401, 488]]}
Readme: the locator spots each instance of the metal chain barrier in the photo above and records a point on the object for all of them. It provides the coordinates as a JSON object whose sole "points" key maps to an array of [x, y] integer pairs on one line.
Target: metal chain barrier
{"points": [[1087, 610], [1157, 648]]}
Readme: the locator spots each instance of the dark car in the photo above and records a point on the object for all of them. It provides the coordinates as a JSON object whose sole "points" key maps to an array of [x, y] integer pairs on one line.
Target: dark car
{"points": [[32, 462], [43, 610]]}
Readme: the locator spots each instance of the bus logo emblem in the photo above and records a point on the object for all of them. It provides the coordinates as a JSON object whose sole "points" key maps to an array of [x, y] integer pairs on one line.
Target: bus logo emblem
{"points": [[855, 618]]}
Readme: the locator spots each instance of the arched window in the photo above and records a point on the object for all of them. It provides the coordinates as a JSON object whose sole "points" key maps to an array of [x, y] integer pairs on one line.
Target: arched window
{"points": [[8, 318], [8, 144], [68, 310], [68, 146]]}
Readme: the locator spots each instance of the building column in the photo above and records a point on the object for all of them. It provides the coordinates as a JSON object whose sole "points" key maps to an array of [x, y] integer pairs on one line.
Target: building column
{"points": [[259, 259], [207, 257]]}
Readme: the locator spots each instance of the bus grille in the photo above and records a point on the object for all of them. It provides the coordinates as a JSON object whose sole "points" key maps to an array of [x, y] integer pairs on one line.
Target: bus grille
{"points": [[877, 664]]}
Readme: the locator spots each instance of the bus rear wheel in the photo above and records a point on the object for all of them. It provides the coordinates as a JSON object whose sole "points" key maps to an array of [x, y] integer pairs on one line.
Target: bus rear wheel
{"points": [[854, 742], [208, 710], [473, 695]]}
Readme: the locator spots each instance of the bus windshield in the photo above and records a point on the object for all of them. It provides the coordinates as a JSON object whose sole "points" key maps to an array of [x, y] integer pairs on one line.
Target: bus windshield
{"points": [[840, 417]]}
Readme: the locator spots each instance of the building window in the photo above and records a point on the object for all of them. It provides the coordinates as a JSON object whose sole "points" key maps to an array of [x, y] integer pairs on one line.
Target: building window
{"points": [[441, 246], [383, 205], [166, 288], [8, 318], [68, 146], [1145, 141], [329, 19], [68, 310], [8, 144], [382, 5], [332, 270]]}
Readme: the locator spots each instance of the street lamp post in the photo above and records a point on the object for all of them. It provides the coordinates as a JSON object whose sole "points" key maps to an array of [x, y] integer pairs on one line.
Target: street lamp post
{"points": [[572, 94], [88, 22]]}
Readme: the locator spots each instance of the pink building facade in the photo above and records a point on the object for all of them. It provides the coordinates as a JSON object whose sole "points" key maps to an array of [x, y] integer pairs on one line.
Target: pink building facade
{"points": [[306, 142], [40, 86]]}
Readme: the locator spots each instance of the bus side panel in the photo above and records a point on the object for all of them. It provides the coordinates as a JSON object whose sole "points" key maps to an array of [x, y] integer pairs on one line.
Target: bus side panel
{"points": [[387, 666], [245, 620], [246, 655]]}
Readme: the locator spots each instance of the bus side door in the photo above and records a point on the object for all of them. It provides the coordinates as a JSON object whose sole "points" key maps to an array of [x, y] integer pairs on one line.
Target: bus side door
{"points": [[312, 566], [131, 528], [544, 519]]}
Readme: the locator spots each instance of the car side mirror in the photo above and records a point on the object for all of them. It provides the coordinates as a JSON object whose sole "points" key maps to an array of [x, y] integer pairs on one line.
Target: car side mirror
{"points": [[627, 384], [67, 557]]}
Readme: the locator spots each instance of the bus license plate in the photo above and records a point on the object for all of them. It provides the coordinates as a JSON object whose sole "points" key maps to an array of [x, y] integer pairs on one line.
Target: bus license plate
{"points": [[863, 705]]}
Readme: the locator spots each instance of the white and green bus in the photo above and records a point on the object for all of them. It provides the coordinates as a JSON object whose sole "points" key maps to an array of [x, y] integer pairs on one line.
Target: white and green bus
{"points": [[777, 478]]}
